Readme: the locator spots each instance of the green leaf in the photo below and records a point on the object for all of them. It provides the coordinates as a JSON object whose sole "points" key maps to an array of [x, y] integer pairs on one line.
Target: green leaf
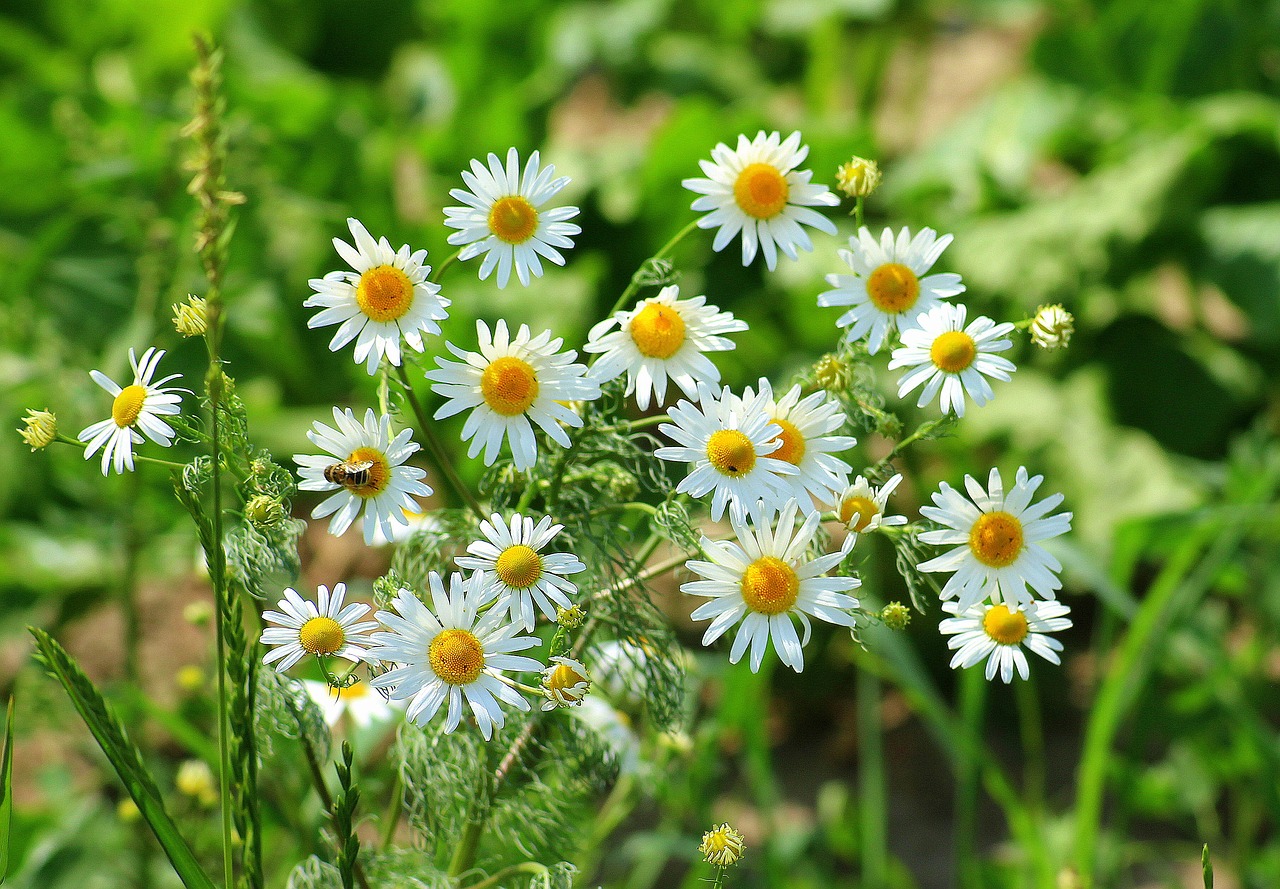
{"points": [[6, 792], [124, 756], [1207, 867]]}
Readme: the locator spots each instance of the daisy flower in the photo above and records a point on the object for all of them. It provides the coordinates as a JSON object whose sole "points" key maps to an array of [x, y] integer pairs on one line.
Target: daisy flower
{"points": [[945, 355], [727, 441], [886, 290], [565, 682], [509, 383], [140, 405], [516, 573], [449, 652], [807, 442], [757, 190], [998, 555], [501, 218], [387, 297], [364, 705], [861, 507], [325, 630], [365, 465], [998, 635], [763, 580], [663, 338]]}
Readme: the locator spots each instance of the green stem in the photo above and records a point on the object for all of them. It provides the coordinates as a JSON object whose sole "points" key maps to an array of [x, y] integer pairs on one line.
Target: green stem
{"points": [[871, 785], [525, 867], [438, 272], [636, 279], [394, 809], [857, 211], [465, 854], [1032, 744], [137, 457], [642, 423], [973, 696], [436, 447]]}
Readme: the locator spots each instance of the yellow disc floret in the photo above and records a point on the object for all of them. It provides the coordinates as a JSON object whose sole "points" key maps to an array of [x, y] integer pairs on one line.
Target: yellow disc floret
{"points": [[1005, 626], [731, 452], [509, 386], [893, 288], [953, 351], [384, 293], [658, 331], [770, 586], [512, 219], [321, 635], [761, 191], [792, 447], [996, 539], [128, 405], [858, 512], [379, 474], [519, 567], [456, 656]]}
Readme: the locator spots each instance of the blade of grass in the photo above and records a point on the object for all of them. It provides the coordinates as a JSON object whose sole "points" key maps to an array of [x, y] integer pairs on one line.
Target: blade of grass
{"points": [[123, 755], [6, 793]]}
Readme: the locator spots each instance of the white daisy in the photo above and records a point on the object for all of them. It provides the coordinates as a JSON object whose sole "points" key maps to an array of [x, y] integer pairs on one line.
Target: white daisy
{"points": [[366, 466], [807, 442], [765, 578], [662, 339], [327, 630], [516, 573], [509, 383], [449, 652], [861, 506], [997, 634], [727, 440], [501, 218], [140, 405], [757, 190], [953, 358], [886, 290], [386, 298], [999, 553], [360, 701], [565, 682]]}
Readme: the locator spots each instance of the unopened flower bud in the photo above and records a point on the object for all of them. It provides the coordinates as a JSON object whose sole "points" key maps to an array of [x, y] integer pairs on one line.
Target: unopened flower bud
{"points": [[127, 811], [896, 616], [40, 429], [195, 779], [191, 318], [571, 617], [831, 373], [722, 846], [858, 178], [565, 682], [1052, 327], [264, 512]]}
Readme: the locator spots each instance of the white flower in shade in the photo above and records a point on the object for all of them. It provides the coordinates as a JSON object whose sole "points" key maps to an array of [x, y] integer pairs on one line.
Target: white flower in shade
{"points": [[861, 506], [998, 555], [997, 634], [509, 383], [565, 682], [614, 728], [763, 580], [807, 425], [387, 297], [887, 289], [516, 573], [728, 442], [366, 466], [945, 355], [663, 338], [449, 652], [324, 630], [622, 670], [360, 701], [757, 190], [502, 218], [140, 405]]}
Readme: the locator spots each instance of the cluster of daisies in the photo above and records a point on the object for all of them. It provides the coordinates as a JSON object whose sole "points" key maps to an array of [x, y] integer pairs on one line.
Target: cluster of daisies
{"points": [[769, 460]]}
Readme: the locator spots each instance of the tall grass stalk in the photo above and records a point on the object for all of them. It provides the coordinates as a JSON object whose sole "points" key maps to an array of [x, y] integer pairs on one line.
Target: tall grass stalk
{"points": [[973, 699]]}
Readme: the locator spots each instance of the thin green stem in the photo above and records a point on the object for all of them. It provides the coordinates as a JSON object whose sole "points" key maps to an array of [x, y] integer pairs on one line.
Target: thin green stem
{"points": [[465, 853], [857, 211], [633, 425], [395, 806], [436, 447], [871, 784], [438, 272], [138, 457], [525, 867], [973, 696], [630, 506], [1032, 731], [637, 280]]}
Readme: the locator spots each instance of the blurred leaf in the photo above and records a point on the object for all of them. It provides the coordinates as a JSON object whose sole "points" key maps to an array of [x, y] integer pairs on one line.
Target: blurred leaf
{"points": [[1242, 256]]}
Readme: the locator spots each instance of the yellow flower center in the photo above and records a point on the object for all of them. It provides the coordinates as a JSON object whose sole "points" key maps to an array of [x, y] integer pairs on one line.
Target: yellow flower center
{"points": [[770, 586], [731, 452], [321, 635], [996, 539], [863, 507], [379, 474], [358, 690], [1005, 626], [893, 288], [128, 404], [509, 386], [384, 293], [761, 191], [519, 567], [792, 447], [563, 677], [513, 219], [658, 331], [953, 351], [456, 656]]}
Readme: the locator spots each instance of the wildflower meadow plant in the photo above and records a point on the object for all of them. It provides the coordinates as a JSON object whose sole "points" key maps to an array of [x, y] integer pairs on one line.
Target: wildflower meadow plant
{"points": [[506, 594]]}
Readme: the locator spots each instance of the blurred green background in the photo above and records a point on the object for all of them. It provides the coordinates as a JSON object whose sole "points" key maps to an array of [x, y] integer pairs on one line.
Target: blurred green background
{"points": [[1121, 157]]}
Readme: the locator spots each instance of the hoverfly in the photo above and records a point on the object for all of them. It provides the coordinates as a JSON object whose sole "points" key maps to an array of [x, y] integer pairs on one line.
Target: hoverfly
{"points": [[348, 474]]}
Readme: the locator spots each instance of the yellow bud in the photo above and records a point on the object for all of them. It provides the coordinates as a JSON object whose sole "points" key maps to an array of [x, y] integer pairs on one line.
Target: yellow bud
{"points": [[264, 511], [190, 679], [858, 178], [40, 429], [831, 373], [191, 317], [570, 617], [896, 616], [722, 846], [127, 811], [1052, 327]]}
